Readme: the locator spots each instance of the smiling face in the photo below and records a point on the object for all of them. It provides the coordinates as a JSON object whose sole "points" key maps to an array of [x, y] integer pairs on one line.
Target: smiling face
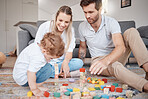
{"points": [[63, 21], [91, 14]]}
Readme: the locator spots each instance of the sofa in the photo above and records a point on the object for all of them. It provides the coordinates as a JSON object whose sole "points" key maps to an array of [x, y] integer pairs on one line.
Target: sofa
{"points": [[27, 34]]}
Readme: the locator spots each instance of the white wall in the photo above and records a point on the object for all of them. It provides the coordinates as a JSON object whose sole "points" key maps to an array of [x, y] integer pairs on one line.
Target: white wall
{"points": [[43, 15], [137, 11]]}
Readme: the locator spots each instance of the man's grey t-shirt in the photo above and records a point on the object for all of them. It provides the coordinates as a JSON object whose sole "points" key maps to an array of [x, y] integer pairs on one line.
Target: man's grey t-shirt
{"points": [[99, 43]]}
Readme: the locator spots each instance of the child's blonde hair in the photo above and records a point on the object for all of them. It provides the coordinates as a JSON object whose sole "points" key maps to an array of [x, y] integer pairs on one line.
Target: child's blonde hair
{"points": [[53, 44]]}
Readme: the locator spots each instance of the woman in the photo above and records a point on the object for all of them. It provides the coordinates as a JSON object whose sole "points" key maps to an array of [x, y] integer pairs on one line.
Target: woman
{"points": [[63, 26]]}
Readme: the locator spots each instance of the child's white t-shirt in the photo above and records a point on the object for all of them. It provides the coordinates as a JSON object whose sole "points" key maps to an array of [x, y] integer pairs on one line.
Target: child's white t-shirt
{"points": [[30, 59], [45, 28]]}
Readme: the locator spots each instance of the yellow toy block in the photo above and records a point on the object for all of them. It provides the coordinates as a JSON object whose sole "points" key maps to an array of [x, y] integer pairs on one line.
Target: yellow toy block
{"points": [[76, 90], [93, 82], [85, 93], [97, 85], [29, 94], [101, 83], [91, 89]]}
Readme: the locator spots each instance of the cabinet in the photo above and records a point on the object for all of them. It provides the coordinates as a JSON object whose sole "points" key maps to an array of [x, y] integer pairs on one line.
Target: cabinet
{"points": [[11, 12]]}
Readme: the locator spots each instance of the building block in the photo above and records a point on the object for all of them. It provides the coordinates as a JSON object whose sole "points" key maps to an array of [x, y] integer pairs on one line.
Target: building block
{"points": [[99, 79], [129, 94], [46, 94], [29, 93], [71, 80], [101, 82], [67, 93], [119, 90], [119, 98], [112, 88], [89, 78], [97, 85], [71, 90], [115, 84], [76, 90], [109, 88], [125, 86], [64, 84], [105, 80], [105, 96], [57, 94], [106, 90], [102, 86], [91, 89], [97, 88], [85, 93], [93, 82], [96, 97]]}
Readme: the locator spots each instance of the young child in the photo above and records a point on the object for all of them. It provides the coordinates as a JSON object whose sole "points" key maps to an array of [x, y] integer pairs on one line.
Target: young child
{"points": [[32, 68]]}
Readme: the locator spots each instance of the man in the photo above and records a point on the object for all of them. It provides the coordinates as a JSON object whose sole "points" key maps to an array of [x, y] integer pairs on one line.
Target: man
{"points": [[108, 49]]}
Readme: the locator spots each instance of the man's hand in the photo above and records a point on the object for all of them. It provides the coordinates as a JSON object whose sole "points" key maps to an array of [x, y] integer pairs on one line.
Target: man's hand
{"points": [[65, 68], [98, 66]]}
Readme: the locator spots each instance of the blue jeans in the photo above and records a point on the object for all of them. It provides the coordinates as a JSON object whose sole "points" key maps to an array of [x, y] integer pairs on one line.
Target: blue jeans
{"points": [[48, 71]]}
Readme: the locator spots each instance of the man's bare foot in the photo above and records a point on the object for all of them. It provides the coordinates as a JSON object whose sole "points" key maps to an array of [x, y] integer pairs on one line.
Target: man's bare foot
{"points": [[146, 88], [146, 76], [145, 67]]}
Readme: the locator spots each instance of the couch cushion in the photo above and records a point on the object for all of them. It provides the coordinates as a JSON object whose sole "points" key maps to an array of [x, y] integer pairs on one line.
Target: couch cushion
{"points": [[143, 30], [31, 41], [126, 25], [30, 28]]}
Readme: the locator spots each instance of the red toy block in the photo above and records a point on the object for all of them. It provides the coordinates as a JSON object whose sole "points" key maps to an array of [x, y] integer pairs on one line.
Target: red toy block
{"points": [[112, 88], [105, 80], [46, 94], [64, 84], [119, 90]]}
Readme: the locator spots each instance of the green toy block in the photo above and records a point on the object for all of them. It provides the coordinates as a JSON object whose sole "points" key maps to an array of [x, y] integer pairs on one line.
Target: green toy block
{"points": [[96, 97], [115, 84], [97, 88], [56, 94], [67, 93]]}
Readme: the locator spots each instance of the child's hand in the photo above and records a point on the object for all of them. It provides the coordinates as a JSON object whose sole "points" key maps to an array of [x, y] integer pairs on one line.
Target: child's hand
{"points": [[65, 68], [38, 92]]}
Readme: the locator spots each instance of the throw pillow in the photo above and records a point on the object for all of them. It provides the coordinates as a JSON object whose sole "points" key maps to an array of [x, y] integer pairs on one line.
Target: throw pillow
{"points": [[30, 28]]}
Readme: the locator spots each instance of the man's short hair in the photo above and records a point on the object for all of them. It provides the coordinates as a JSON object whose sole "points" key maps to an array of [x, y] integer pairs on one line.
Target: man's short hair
{"points": [[98, 3]]}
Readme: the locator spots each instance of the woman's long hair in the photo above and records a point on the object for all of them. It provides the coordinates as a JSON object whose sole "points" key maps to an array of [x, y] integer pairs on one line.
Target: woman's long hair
{"points": [[67, 11]]}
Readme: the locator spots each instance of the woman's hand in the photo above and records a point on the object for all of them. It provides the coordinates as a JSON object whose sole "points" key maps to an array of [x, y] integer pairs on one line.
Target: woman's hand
{"points": [[65, 68], [37, 92]]}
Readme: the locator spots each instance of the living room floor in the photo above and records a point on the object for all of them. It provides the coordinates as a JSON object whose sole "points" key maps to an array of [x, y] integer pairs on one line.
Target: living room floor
{"points": [[11, 61]]}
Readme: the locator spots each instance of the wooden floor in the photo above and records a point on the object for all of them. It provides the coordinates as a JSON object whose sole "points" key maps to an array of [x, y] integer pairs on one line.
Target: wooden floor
{"points": [[10, 61]]}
